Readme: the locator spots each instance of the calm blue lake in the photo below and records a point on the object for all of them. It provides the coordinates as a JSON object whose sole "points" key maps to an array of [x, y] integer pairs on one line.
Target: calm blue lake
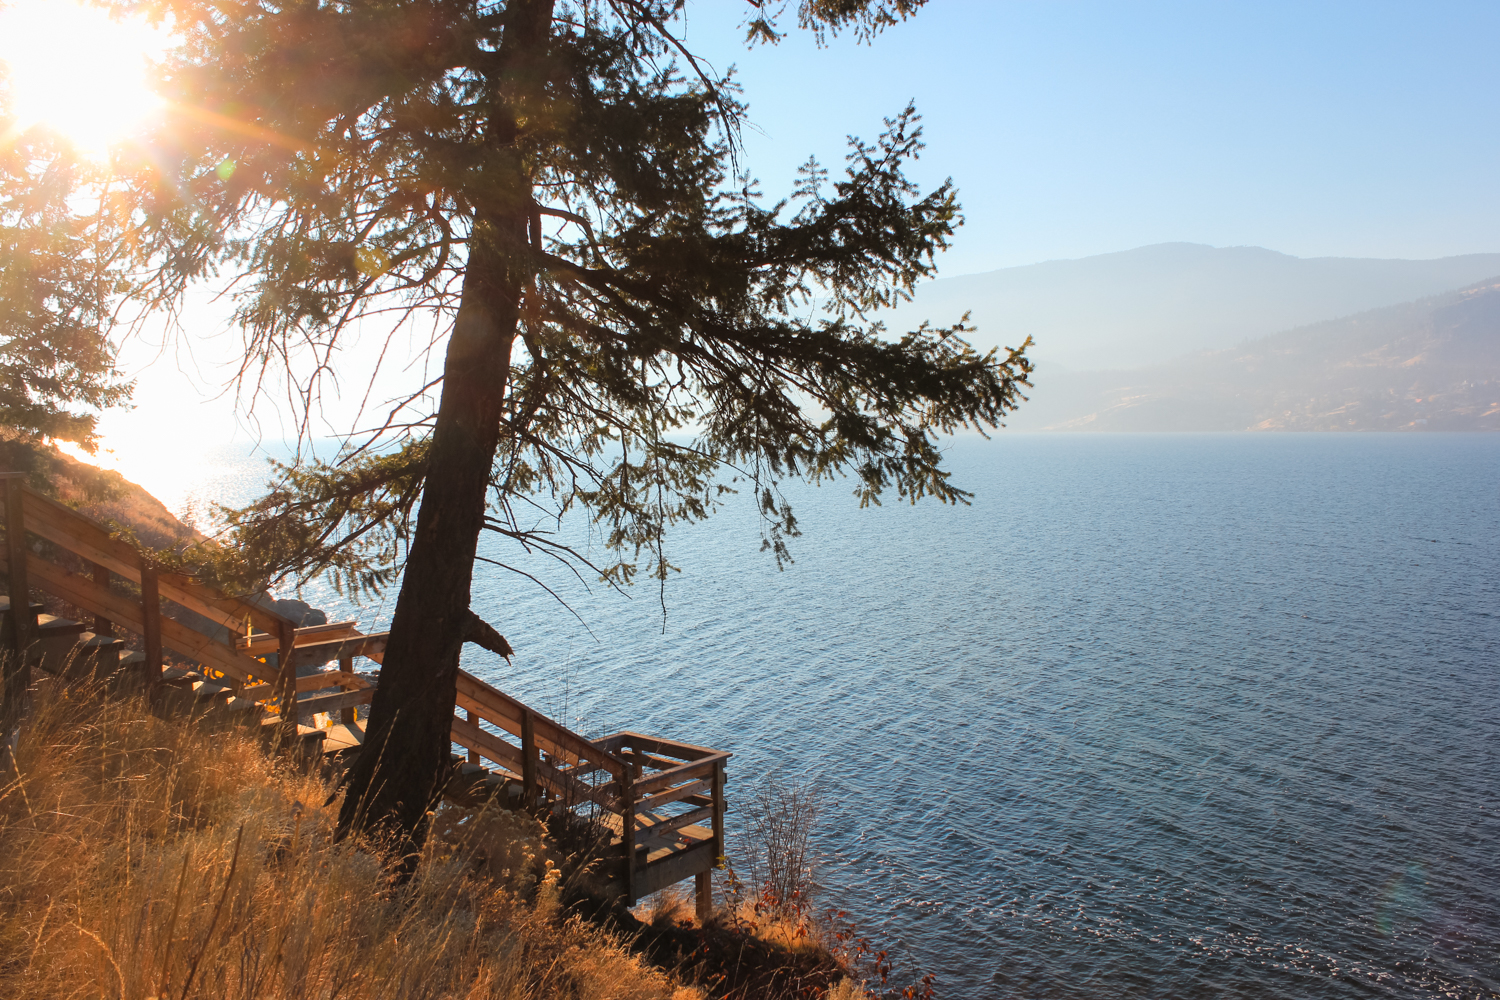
{"points": [[1156, 716]]}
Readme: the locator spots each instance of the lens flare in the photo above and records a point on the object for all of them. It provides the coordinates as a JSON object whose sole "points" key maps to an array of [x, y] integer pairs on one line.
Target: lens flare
{"points": [[74, 70]]}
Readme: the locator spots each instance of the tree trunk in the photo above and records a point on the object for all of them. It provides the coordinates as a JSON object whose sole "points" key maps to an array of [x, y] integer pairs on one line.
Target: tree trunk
{"points": [[405, 757]]}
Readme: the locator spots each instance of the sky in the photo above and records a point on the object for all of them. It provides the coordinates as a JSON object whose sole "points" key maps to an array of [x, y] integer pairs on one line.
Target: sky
{"points": [[1076, 128], [1071, 129]]}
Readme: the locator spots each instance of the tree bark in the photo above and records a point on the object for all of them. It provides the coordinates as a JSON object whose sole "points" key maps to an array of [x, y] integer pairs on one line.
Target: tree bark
{"points": [[405, 758]]}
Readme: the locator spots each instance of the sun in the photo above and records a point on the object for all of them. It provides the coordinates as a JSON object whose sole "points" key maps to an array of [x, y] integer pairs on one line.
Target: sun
{"points": [[74, 70]]}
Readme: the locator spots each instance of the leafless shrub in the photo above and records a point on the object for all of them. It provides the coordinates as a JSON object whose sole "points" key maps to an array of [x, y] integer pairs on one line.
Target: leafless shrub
{"points": [[779, 822]]}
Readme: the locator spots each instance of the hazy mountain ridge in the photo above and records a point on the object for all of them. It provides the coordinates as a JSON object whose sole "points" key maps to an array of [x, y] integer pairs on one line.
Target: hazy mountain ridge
{"points": [[1433, 364], [1149, 305]]}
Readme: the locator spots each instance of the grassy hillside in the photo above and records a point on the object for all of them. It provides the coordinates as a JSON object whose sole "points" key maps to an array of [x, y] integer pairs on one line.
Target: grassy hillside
{"points": [[99, 493]]}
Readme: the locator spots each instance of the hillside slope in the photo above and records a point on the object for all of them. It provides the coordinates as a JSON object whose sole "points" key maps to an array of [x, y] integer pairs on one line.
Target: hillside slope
{"points": [[1151, 304], [1433, 364]]}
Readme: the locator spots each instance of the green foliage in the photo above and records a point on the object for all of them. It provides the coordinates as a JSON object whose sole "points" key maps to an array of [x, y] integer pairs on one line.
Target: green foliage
{"points": [[347, 160], [823, 17], [58, 277], [348, 521]]}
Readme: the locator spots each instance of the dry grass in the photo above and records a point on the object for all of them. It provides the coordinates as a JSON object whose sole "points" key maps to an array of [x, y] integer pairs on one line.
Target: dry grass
{"points": [[142, 858]]}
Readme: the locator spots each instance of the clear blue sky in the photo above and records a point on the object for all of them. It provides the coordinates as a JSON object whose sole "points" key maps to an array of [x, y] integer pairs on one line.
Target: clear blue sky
{"points": [[1368, 129]]}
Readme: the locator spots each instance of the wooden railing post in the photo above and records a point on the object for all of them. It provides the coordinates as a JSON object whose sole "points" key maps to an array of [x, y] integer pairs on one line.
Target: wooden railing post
{"points": [[17, 675], [627, 830], [348, 716], [150, 627], [471, 717], [705, 880], [102, 626], [286, 680], [528, 759], [718, 808]]}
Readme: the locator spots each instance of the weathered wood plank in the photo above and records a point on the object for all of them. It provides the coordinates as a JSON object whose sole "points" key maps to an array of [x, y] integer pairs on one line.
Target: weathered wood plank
{"points": [[308, 654], [693, 769], [718, 806], [650, 802], [83, 536], [151, 622], [655, 744], [658, 827], [333, 702], [332, 678], [489, 702], [673, 869], [648, 759], [263, 643]]}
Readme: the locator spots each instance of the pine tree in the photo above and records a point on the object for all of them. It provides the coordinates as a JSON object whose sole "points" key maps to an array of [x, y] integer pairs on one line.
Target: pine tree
{"points": [[59, 273], [559, 182]]}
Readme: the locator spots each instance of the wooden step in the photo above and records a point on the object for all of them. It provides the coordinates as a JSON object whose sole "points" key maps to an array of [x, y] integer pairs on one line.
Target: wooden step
{"points": [[307, 745], [48, 626], [36, 606], [95, 656], [58, 648], [344, 737], [6, 641]]}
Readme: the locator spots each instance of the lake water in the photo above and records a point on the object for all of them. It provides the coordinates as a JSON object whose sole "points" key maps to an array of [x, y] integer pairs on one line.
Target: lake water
{"points": [[1156, 716]]}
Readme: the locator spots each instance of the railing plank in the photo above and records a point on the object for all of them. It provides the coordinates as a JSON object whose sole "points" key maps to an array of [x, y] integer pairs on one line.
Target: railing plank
{"points": [[649, 802], [151, 620], [307, 654], [78, 534], [675, 823], [330, 679], [692, 769], [556, 740], [333, 702], [84, 592], [469, 736], [655, 744], [262, 643]]}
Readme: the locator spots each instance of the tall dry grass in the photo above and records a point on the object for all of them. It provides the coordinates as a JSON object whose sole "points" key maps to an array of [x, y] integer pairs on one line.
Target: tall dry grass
{"points": [[144, 858]]}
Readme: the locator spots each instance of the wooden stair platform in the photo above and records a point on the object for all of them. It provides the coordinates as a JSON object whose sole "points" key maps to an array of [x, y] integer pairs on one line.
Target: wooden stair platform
{"points": [[662, 801]]}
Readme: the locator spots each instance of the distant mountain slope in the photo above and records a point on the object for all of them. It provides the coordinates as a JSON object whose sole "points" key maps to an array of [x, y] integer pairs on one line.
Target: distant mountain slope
{"points": [[1148, 305], [1427, 365]]}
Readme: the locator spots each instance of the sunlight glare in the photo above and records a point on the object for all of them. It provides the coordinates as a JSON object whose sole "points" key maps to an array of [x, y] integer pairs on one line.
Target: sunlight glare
{"points": [[74, 70]]}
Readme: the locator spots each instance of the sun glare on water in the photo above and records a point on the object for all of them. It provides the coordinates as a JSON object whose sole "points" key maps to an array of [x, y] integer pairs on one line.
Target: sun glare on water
{"points": [[70, 68]]}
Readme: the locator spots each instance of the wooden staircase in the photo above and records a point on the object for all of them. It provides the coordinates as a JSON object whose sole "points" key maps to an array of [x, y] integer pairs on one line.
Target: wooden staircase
{"points": [[661, 801]]}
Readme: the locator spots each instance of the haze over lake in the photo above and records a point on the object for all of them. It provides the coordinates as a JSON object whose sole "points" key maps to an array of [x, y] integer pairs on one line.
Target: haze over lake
{"points": [[1156, 716]]}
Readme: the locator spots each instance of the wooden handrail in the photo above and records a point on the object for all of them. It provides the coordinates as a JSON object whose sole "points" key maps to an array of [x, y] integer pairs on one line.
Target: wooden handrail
{"points": [[71, 530], [468, 735], [105, 554], [508, 713], [75, 588], [701, 768], [262, 643]]}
